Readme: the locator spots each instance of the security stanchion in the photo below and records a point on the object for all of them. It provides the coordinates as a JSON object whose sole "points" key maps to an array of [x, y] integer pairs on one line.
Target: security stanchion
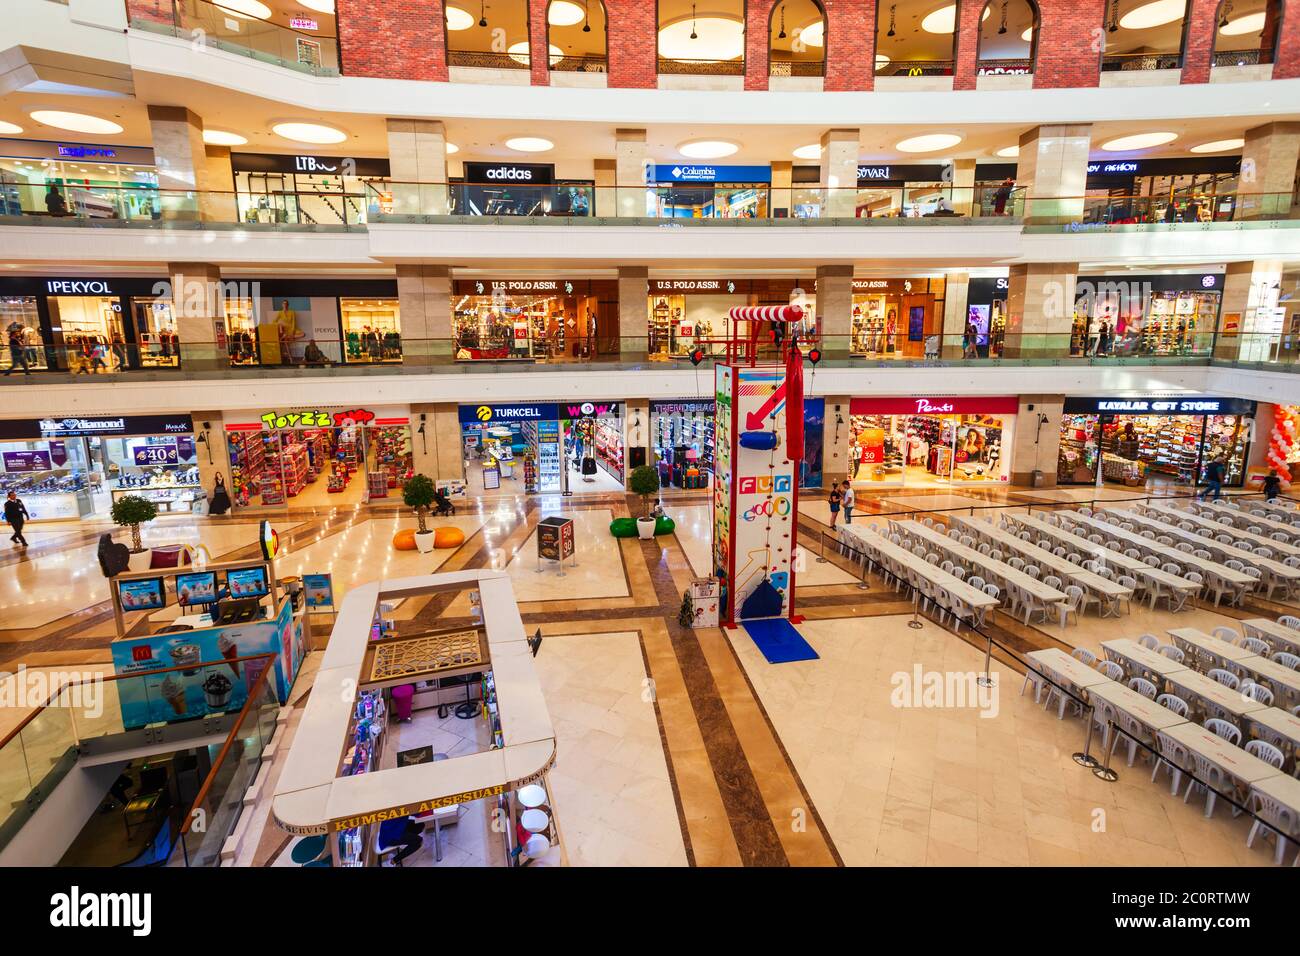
{"points": [[821, 554], [986, 679], [1105, 772], [1085, 758]]}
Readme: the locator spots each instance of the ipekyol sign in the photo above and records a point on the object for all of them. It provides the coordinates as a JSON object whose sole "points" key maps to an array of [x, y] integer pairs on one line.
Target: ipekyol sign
{"points": [[482, 414], [1194, 405], [78, 287], [706, 173]]}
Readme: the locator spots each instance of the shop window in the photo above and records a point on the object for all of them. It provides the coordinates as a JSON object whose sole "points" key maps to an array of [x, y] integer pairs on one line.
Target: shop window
{"points": [[523, 326], [706, 39], [90, 190], [1132, 318], [155, 329], [1143, 35], [913, 38], [1246, 32], [1008, 38], [91, 332], [929, 450], [1137, 450], [23, 345], [896, 318], [577, 29], [491, 36], [372, 332], [241, 331], [797, 45]]}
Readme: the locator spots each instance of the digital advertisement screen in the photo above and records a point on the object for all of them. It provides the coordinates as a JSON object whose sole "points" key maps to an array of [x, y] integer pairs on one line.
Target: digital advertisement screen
{"points": [[247, 582], [145, 595], [197, 588]]}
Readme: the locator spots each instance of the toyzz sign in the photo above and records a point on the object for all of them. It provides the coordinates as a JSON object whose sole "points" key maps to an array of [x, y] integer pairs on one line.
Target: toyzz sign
{"points": [[317, 418]]}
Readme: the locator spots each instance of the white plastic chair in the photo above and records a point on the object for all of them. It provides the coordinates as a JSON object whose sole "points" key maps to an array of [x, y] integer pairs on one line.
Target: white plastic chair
{"points": [[1226, 678], [1276, 819], [1256, 692], [1225, 634], [1175, 654], [1150, 642], [1074, 594], [1175, 703], [1288, 620], [1287, 660], [1225, 729], [1266, 752], [1143, 687], [1255, 646], [1173, 757], [1112, 670]]}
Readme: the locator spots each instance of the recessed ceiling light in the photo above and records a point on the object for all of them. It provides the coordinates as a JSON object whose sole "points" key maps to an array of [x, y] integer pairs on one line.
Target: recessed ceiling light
{"points": [[221, 137], [9, 129], [314, 133], [707, 148], [562, 13], [1250, 23], [814, 34], [944, 20], [707, 39], [530, 144], [1219, 146], [1028, 35], [811, 151], [1138, 141], [452, 148], [76, 122], [519, 52], [320, 6], [1009, 152], [927, 143], [245, 9], [1155, 14], [458, 19]]}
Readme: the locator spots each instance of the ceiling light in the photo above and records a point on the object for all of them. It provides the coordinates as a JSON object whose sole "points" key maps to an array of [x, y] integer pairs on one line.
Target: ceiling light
{"points": [[452, 148], [881, 60], [9, 129], [1250, 23], [458, 19], [221, 137], [530, 144], [814, 34], [245, 9], [927, 143], [76, 122], [811, 151], [519, 52], [314, 133], [707, 38], [1138, 141], [320, 6], [562, 13], [1155, 14], [944, 20], [1028, 35], [707, 148], [1219, 146], [1009, 152]]}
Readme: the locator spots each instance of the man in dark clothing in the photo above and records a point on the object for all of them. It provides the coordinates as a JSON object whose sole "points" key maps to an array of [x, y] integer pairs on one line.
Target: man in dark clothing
{"points": [[1214, 475], [1272, 486], [403, 832], [16, 335], [55, 204], [16, 514]]}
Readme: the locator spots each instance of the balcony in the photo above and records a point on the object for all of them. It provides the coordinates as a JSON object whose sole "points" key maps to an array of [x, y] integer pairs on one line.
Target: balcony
{"points": [[1142, 62], [679, 67]]}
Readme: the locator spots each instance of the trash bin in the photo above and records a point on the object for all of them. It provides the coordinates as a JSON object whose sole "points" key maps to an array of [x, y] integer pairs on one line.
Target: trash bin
{"points": [[1038, 478]]}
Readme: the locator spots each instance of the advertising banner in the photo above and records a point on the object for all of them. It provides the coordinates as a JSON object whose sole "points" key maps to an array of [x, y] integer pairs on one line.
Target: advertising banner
{"points": [[27, 461], [160, 454], [318, 590]]}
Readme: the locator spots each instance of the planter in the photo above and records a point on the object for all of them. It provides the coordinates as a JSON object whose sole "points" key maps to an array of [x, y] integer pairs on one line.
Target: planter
{"points": [[645, 527], [140, 561], [424, 541]]}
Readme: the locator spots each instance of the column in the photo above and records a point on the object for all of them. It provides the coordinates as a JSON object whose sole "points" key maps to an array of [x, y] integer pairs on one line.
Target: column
{"points": [[633, 312], [198, 308], [782, 181], [1268, 170], [181, 159], [837, 454], [632, 159], [1040, 309], [955, 293], [210, 450], [839, 172], [417, 161], [606, 177], [539, 48], [436, 451], [963, 188], [1250, 294], [424, 299], [219, 205], [636, 433], [834, 308], [1035, 447], [1053, 171]]}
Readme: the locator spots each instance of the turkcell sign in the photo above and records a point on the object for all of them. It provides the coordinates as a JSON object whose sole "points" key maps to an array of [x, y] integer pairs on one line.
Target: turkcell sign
{"points": [[483, 414]]}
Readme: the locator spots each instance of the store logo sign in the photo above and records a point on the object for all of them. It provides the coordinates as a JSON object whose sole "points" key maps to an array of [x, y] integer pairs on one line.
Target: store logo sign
{"points": [[1111, 169], [77, 287], [764, 485], [1208, 406], [590, 410], [873, 172], [777, 507], [924, 407], [303, 23], [1001, 284], [86, 152], [310, 164], [69, 425], [1207, 282], [509, 172], [317, 418]]}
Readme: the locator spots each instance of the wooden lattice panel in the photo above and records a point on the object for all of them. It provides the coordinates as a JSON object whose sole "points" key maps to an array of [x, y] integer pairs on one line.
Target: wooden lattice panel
{"points": [[427, 654]]}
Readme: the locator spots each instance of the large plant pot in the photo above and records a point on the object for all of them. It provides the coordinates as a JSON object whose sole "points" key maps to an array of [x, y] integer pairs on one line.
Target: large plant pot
{"points": [[140, 561], [424, 541], [645, 527]]}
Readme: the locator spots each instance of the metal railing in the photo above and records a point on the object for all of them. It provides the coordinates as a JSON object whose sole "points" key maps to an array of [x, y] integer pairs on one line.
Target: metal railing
{"points": [[681, 67], [1022, 66], [580, 64], [1240, 58], [1125, 62], [796, 67], [487, 60], [916, 68]]}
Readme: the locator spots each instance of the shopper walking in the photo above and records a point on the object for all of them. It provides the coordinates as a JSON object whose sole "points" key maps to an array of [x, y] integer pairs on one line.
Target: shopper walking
{"points": [[16, 514], [16, 335], [1214, 475], [846, 502], [1272, 486], [836, 498]]}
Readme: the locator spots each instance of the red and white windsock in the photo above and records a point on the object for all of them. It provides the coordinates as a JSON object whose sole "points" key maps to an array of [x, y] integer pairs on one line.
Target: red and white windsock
{"points": [[1286, 424], [767, 313]]}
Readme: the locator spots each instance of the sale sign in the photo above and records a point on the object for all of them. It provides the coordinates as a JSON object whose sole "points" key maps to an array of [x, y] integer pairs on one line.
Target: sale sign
{"points": [[27, 461], [162, 454]]}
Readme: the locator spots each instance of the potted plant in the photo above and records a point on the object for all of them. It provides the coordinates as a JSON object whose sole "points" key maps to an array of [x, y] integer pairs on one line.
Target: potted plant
{"points": [[418, 493], [644, 481], [131, 511]]}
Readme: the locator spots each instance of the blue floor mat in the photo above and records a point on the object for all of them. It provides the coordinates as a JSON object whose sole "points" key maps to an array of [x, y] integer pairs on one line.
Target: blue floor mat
{"points": [[779, 641]]}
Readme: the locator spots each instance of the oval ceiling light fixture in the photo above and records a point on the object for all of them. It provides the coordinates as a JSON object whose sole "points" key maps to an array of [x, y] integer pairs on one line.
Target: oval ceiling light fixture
{"points": [[707, 148], [881, 60], [814, 34], [1250, 23], [320, 6], [708, 38], [1028, 35], [529, 144], [76, 122], [452, 148], [1155, 14], [519, 52], [562, 13], [944, 20], [1219, 146], [1138, 141], [316, 134], [458, 19], [927, 143], [245, 9], [1009, 152], [811, 151], [9, 129], [221, 137]]}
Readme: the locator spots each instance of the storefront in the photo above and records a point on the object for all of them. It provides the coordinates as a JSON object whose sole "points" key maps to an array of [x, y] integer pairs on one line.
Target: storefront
{"points": [[271, 187], [892, 318], [1194, 189], [686, 314], [543, 447], [520, 189], [534, 320], [705, 191], [682, 432], [928, 442], [909, 190], [317, 457], [1140, 440], [1160, 315], [73, 467], [39, 178], [986, 317]]}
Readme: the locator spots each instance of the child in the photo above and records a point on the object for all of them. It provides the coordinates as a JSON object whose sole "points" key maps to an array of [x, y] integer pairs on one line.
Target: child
{"points": [[835, 499]]}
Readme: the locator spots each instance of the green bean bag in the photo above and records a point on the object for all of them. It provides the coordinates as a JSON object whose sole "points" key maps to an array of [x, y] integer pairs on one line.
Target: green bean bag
{"points": [[623, 527], [664, 525]]}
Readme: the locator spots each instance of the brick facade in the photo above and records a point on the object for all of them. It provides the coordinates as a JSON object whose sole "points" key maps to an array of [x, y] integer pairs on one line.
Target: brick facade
{"points": [[758, 36], [539, 43], [968, 43], [850, 44], [157, 11], [392, 38], [633, 44], [1198, 49], [1287, 66], [1071, 34]]}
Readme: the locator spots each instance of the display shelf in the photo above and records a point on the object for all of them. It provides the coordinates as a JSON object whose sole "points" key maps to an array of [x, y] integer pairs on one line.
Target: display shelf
{"points": [[609, 450]]}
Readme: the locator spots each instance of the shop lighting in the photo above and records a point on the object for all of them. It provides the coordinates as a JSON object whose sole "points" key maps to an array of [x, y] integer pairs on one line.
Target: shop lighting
{"points": [[1155, 14], [458, 19], [221, 137], [707, 148], [9, 129], [1250, 23], [1219, 146], [76, 122], [1138, 141], [530, 144], [315, 133], [927, 143]]}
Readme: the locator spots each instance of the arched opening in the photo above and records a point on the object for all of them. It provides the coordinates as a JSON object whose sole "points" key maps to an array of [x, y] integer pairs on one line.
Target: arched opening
{"points": [[1143, 35], [916, 37], [1246, 32], [488, 35], [1008, 38], [577, 29], [702, 37], [797, 39]]}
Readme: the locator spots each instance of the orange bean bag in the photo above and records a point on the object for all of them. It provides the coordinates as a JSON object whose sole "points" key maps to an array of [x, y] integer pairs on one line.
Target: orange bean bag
{"points": [[448, 538], [404, 540]]}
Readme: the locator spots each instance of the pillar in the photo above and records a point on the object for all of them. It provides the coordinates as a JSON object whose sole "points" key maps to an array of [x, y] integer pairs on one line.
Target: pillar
{"points": [[834, 309], [198, 307], [633, 312], [181, 161], [636, 433], [539, 47], [1053, 169], [606, 176], [757, 39], [219, 205], [1250, 294], [839, 172], [782, 181], [1035, 446], [424, 299], [1268, 170], [955, 293], [837, 458], [417, 161], [1040, 309], [210, 450], [963, 188], [632, 171], [436, 451]]}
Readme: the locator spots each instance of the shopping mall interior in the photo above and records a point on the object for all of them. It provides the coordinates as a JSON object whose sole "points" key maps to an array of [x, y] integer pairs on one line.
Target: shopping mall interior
{"points": [[765, 433]]}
